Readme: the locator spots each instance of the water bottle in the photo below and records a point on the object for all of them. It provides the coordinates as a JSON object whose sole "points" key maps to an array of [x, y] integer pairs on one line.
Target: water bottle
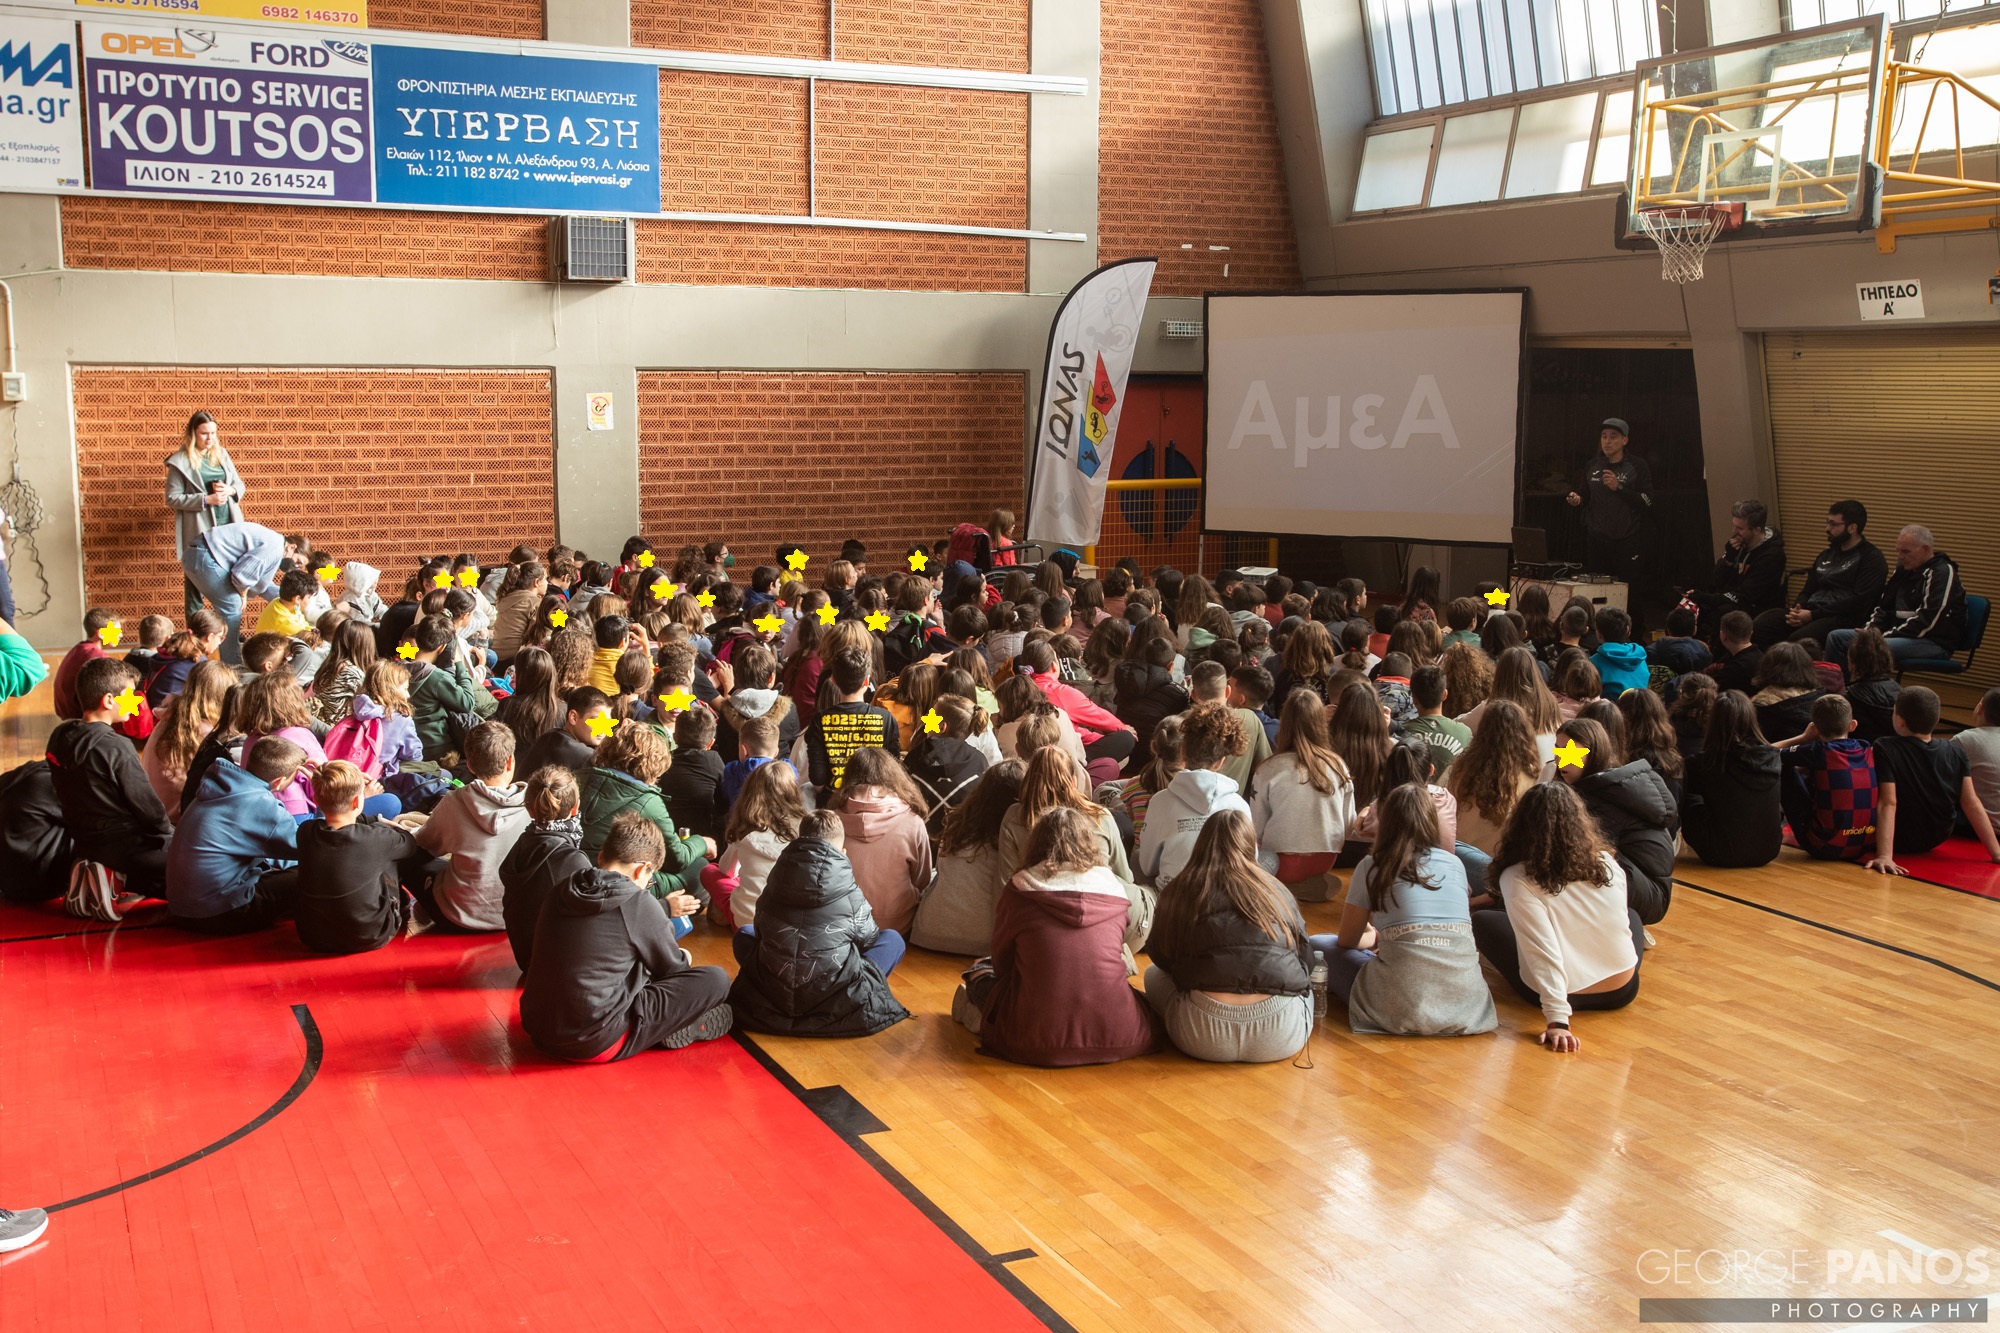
{"points": [[1319, 991]]}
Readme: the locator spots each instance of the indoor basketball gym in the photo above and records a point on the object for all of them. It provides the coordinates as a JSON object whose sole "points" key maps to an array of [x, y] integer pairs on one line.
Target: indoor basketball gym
{"points": [[1403, 259]]}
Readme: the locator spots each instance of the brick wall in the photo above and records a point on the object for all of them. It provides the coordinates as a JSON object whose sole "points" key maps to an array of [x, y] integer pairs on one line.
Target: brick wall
{"points": [[957, 34], [795, 28], [817, 458], [472, 18], [213, 237], [376, 465], [1188, 147]]}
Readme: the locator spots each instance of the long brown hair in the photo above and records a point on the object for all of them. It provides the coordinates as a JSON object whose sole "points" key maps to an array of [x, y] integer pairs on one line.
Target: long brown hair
{"points": [[1552, 837], [1221, 869], [1406, 831], [1649, 735], [1065, 839], [353, 642], [194, 714], [270, 703], [1302, 733], [768, 803], [1594, 738], [1309, 655], [975, 821], [1518, 677], [1468, 677], [1359, 734], [1501, 753], [872, 766], [1052, 782], [535, 708]]}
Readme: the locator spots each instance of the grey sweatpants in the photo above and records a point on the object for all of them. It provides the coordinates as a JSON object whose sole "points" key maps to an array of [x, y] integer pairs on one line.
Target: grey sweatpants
{"points": [[1209, 1029]]}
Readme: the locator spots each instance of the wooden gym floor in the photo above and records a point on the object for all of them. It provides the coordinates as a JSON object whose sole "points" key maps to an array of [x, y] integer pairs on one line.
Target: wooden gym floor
{"points": [[1810, 1067]]}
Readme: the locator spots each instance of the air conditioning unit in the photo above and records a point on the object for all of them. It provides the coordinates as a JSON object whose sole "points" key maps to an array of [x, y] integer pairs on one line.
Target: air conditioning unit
{"points": [[586, 249], [1180, 328]]}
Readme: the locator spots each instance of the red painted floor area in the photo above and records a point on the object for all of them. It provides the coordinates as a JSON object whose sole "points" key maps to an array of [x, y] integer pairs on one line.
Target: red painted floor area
{"points": [[437, 1173], [1959, 863]]}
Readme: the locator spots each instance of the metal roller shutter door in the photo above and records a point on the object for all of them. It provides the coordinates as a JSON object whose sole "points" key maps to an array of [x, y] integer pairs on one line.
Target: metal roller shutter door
{"points": [[1907, 422]]}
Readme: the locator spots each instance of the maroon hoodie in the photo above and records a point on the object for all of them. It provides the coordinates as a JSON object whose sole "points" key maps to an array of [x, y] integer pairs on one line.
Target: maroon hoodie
{"points": [[1060, 994]]}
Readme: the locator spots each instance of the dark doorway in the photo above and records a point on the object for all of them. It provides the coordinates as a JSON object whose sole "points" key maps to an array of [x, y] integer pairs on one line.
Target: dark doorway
{"points": [[1571, 391]]}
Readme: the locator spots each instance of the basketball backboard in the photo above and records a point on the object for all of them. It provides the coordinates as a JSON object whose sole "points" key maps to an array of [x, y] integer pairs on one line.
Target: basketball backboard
{"points": [[1784, 125]]}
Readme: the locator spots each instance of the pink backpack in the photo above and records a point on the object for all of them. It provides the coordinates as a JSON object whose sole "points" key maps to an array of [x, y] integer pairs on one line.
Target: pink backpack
{"points": [[358, 742]]}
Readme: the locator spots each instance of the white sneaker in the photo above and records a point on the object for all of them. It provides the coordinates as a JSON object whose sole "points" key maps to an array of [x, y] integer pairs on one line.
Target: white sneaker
{"points": [[964, 1011], [94, 892], [1651, 943], [18, 1230]]}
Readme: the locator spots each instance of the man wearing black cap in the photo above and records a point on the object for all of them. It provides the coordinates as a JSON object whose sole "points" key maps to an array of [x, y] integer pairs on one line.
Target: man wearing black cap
{"points": [[1616, 493]]}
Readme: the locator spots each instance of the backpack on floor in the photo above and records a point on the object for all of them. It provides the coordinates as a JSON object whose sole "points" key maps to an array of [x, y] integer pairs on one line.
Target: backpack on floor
{"points": [[358, 741]]}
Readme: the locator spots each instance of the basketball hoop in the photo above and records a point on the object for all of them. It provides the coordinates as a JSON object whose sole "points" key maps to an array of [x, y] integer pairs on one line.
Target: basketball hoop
{"points": [[1684, 232]]}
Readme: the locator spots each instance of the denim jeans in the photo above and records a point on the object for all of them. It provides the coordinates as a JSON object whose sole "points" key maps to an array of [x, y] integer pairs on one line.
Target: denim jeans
{"points": [[6, 595], [207, 576], [1907, 652], [885, 952]]}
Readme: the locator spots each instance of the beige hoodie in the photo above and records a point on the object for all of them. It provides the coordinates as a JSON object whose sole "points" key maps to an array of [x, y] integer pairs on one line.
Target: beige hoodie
{"points": [[891, 852]]}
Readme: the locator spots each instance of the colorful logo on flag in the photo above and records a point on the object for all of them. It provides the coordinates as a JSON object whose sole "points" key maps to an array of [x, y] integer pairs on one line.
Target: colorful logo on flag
{"points": [[1096, 420]]}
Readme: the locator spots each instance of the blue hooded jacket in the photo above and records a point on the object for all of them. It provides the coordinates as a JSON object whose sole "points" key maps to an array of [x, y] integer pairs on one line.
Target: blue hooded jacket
{"points": [[1623, 667], [234, 833]]}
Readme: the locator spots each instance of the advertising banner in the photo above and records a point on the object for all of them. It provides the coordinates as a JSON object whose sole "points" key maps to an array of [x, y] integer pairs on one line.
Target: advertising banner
{"points": [[228, 114], [41, 110], [1083, 391], [469, 129], [336, 14]]}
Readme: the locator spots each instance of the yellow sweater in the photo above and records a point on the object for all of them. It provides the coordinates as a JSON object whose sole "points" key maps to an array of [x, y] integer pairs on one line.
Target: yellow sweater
{"points": [[604, 668], [281, 618]]}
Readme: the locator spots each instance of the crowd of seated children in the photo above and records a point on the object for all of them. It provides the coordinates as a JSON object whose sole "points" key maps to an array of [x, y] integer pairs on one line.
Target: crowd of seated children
{"points": [[1040, 773]]}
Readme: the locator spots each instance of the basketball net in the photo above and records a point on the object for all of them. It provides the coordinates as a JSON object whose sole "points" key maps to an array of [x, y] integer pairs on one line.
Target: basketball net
{"points": [[1683, 232]]}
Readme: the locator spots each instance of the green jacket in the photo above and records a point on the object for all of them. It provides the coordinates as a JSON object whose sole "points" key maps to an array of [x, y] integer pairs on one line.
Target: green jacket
{"points": [[608, 793], [434, 693]]}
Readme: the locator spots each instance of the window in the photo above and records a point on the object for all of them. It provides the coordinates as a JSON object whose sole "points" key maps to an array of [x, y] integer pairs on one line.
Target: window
{"points": [[1434, 53], [1812, 13], [1395, 167], [1552, 147]]}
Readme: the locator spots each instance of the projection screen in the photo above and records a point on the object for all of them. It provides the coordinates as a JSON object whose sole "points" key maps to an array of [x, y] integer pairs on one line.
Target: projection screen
{"points": [[1363, 415]]}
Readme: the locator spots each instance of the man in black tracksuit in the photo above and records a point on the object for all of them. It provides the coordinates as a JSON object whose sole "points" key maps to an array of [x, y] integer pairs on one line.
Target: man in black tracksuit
{"points": [[1750, 576], [1842, 588], [1615, 493], [1922, 608]]}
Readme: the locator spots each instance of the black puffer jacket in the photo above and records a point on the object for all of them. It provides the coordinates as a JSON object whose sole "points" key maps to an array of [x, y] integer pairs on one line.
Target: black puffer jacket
{"points": [[1145, 695], [807, 977], [1734, 807], [34, 844], [1222, 951], [540, 862], [1632, 805]]}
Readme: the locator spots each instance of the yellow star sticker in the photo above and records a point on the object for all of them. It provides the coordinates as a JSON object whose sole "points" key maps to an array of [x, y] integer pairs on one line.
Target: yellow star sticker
{"points": [[677, 700], [327, 573], [918, 560], [469, 577], [645, 559], [933, 721], [705, 598], [110, 634], [1571, 755], [441, 579], [601, 726], [664, 588], [828, 614], [877, 620], [559, 618], [407, 651], [1498, 597], [128, 703], [768, 623], [796, 560]]}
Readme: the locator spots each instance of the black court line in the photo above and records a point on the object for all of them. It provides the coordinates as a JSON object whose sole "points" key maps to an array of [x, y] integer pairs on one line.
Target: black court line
{"points": [[1953, 968], [72, 934], [848, 1118], [315, 1051]]}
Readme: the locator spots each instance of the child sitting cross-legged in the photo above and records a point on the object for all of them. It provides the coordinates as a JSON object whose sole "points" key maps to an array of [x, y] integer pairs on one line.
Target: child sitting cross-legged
{"points": [[113, 815], [1827, 787], [352, 866], [1923, 785], [815, 964], [691, 785], [624, 780], [230, 865], [763, 821], [472, 830], [606, 979]]}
